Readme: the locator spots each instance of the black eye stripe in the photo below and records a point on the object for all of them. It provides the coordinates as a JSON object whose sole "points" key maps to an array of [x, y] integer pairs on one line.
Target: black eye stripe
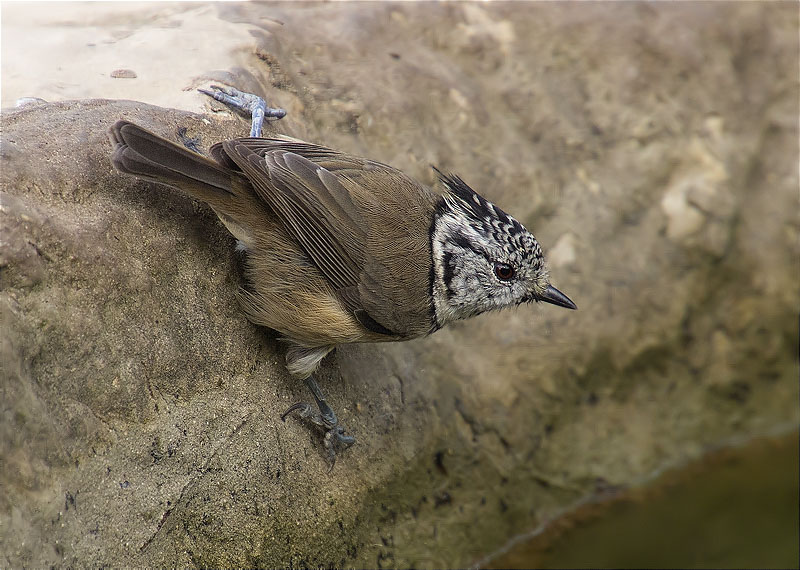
{"points": [[449, 271], [464, 243]]}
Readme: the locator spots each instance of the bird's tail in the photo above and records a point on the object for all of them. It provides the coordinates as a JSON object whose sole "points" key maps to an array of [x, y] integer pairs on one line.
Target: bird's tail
{"points": [[139, 152]]}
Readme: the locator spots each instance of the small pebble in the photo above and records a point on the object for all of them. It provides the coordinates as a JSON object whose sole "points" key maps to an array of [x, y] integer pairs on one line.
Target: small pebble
{"points": [[23, 101], [124, 74]]}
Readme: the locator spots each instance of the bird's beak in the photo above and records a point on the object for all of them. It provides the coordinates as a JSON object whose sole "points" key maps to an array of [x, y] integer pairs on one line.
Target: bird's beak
{"points": [[555, 297]]}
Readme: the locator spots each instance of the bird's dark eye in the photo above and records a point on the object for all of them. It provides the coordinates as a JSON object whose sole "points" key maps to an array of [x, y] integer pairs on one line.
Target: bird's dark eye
{"points": [[503, 271]]}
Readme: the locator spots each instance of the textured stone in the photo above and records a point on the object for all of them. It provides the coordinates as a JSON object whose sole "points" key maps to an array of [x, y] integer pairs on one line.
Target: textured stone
{"points": [[139, 410]]}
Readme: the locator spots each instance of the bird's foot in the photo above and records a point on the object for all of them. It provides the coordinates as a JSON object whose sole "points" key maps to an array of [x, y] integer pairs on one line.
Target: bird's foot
{"points": [[326, 419], [250, 104]]}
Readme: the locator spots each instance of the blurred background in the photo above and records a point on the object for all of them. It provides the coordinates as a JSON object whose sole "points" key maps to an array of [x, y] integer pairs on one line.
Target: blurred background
{"points": [[653, 150]]}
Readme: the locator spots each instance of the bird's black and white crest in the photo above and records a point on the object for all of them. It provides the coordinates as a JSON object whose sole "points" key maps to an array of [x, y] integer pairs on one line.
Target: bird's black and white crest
{"points": [[483, 259]]}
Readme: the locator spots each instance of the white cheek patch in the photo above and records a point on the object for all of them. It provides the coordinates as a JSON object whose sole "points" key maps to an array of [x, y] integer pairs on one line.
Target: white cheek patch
{"points": [[458, 290], [447, 225]]}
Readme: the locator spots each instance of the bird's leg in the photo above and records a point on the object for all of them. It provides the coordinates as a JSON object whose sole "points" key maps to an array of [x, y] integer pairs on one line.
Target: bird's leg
{"points": [[250, 104], [326, 419]]}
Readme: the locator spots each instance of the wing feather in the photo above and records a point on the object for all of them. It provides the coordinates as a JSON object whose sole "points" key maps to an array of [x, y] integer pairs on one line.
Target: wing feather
{"points": [[348, 214], [321, 217]]}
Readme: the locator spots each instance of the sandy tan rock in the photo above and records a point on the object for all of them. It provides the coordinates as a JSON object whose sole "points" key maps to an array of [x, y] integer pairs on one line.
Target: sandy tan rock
{"points": [[653, 148]]}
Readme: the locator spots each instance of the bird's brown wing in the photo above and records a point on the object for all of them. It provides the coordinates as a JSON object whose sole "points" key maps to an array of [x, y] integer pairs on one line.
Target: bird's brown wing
{"points": [[354, 219], [313, 206]]}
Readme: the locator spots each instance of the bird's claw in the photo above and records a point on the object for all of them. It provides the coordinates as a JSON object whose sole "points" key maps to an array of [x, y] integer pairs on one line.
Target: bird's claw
{"points": [[326, 419], [335, 438], [250, 104], [304, 409]]}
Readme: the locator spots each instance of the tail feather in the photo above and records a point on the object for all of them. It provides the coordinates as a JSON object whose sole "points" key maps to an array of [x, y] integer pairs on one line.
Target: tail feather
{"points": [[144, 154]]}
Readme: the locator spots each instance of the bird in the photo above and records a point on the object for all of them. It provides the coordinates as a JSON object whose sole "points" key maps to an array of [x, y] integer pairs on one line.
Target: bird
{"points": [[342, 249]]}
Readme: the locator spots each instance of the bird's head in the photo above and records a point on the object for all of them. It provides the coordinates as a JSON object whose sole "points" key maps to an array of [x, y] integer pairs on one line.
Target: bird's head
{"points": [[483, 259]]}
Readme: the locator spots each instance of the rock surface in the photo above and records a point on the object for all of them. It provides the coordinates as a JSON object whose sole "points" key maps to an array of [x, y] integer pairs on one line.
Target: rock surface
{"points": [[651, 148]]}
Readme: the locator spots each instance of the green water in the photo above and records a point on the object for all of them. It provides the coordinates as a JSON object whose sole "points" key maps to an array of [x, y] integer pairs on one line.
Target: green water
{"points": [[736, 509]]}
